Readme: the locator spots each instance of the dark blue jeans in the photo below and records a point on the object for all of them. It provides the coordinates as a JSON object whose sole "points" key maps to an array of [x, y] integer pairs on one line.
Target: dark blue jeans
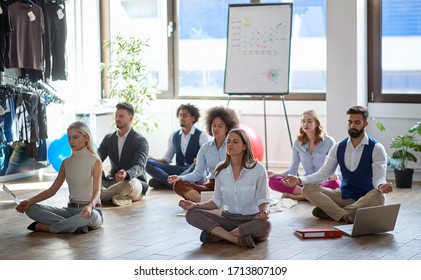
{"points": [[160, 171]]}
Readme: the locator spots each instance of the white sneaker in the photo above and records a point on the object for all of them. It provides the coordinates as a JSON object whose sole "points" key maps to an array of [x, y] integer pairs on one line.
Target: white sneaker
{"points": [[121, 200]]}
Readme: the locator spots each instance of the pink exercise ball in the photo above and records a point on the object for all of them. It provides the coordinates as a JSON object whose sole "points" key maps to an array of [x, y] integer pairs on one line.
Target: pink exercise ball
{"points": [[255, 142]]}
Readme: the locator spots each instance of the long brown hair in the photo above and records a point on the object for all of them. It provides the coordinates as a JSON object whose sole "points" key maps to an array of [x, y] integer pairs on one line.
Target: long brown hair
{"points": [[319, 133], [248, 161]]}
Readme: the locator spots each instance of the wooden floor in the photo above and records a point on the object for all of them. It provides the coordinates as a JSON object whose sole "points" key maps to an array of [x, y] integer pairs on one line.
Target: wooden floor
{"points": [[152, 229]]}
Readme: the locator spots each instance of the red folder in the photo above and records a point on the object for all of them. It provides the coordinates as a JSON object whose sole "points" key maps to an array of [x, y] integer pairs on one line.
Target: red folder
{"points": [[306, 233]]}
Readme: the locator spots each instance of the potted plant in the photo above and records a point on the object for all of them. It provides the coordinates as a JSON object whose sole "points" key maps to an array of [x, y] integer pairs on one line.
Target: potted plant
{"points": [[126, 74], [404, 146]]}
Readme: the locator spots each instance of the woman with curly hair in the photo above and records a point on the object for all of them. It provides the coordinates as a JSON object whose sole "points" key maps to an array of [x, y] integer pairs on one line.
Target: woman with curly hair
{"points": [[310, 149], [219, 121]]}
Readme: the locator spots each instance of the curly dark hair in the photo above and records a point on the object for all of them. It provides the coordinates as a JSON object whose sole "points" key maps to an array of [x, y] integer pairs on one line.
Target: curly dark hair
{"points": [[227, 115], [193, 111]]}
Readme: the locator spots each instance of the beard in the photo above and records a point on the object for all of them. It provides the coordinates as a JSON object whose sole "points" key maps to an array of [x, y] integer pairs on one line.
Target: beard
{"points": [[354, 133]]}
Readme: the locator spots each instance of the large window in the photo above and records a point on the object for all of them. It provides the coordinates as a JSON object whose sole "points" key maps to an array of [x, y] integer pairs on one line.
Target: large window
{"points": [[147, 20], [188, 44], [394, 56]]}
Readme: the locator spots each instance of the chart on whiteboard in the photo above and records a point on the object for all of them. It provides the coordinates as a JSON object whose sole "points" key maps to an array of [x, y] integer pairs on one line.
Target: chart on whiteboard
{"points": [[258, 49]]}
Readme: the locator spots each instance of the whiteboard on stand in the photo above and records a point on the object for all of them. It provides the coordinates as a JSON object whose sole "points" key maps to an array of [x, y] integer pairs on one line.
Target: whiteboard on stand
{"points": [[258, 49]]}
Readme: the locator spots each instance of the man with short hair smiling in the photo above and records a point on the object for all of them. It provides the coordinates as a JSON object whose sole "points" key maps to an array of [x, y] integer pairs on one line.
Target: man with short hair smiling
{"points": [[363, 163], [128, 152]]}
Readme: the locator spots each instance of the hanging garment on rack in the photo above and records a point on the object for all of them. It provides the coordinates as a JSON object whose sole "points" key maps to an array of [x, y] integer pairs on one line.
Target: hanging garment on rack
{"points": [[23, 110], [5, 28], [5, 154], [8, 123], [55, 37], [25, 114], [26, 40], [27, 117]]}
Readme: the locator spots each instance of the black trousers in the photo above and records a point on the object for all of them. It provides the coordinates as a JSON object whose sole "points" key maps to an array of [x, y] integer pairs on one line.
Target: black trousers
{"points": [[54, 39]]}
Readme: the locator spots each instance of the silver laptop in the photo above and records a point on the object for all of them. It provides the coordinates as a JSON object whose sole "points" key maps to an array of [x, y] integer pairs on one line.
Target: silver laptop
{"points": [[11, 194], [372, 220]]}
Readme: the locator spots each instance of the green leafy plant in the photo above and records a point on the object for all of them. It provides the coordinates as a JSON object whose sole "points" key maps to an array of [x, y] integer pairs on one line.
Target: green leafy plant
{"points": [[404, 146], [127, 76]]}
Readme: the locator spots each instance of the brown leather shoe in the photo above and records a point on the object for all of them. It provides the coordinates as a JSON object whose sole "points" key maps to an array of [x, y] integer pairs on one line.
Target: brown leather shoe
{"points": [[319, 213], [154, 183], [207, 237], [246, 241]]}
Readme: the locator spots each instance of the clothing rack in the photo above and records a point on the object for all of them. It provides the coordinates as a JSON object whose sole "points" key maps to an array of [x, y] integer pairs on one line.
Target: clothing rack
{"points": [[39, 87]]}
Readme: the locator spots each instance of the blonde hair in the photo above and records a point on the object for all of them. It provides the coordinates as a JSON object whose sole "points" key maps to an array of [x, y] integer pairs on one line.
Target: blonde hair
{"points": [[83, 129]]}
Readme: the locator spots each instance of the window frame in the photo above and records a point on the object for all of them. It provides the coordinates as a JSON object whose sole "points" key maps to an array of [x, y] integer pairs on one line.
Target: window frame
{"points": [[374, 40], [173, 63]]}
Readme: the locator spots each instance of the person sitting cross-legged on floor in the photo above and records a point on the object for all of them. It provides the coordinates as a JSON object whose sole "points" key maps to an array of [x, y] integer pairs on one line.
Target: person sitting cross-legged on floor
{"points": [[127, 150], [310, 149], [362, 161], [82, 172], [219, 121], [241, 188], [184, 144]]}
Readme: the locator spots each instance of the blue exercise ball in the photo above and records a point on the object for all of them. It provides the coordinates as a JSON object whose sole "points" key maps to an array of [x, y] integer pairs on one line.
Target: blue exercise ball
{"points": [[58, 150]]}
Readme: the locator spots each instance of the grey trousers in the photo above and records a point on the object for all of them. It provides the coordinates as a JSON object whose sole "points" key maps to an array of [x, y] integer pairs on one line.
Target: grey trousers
{"points": [[246, 224], [331, 202], [64, 220]]}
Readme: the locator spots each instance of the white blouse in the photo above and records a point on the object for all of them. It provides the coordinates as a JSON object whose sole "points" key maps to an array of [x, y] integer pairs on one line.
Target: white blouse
{"points": [[244, 195]]}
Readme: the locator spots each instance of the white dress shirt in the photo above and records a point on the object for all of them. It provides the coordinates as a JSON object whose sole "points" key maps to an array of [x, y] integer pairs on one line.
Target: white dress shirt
{"points": [[121, 141], [352, 159], [169, 154]]}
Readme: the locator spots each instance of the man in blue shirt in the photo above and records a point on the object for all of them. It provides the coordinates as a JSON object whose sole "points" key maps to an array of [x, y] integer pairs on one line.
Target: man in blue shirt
{"points": [[363, 163]]}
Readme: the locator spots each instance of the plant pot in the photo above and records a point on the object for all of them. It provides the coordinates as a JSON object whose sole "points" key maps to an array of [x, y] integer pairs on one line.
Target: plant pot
{"points": [[403, 179]]}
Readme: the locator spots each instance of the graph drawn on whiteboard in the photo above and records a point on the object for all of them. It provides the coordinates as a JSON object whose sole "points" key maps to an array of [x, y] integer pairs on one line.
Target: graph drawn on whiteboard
{"points": [[258, 49]]}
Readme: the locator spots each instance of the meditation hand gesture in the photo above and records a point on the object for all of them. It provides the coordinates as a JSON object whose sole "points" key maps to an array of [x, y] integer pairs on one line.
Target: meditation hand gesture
{"points": [[86, 212], [187, 204], [120, 175], [292, 181], [23, 206], [386, 188], [173, 179], [264, 215]]}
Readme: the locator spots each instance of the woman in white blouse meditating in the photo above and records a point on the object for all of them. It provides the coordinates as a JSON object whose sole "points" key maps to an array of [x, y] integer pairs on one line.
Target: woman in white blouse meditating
{"points": [[241, 188]]}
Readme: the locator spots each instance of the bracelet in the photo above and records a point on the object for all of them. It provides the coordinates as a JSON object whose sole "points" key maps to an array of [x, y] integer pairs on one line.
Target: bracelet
{"points": [[197, 205], [93, 204]]}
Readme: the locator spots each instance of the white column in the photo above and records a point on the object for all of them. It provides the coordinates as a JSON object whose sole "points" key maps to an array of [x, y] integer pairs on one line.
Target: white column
{"points": [[346, 85]]}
